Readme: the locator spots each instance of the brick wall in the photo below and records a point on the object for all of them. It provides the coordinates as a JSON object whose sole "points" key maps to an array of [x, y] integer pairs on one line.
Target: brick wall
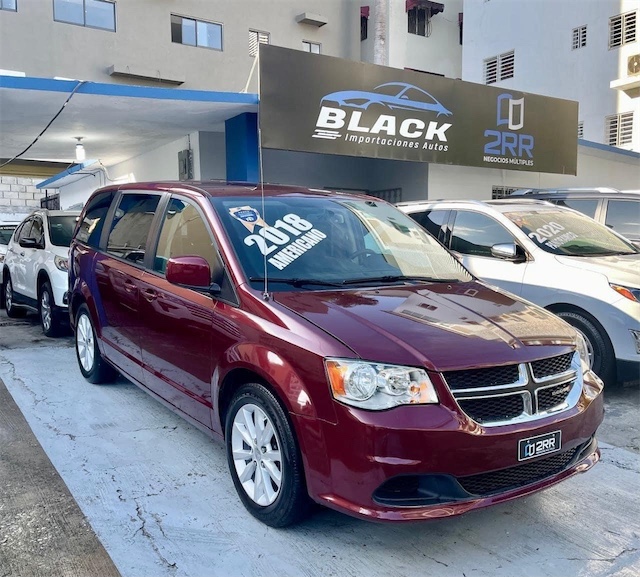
{"points": [[19, 196]]}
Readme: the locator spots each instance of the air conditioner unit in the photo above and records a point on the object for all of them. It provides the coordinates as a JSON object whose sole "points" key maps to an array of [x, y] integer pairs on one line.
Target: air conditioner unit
{"points": [[633, 65]]}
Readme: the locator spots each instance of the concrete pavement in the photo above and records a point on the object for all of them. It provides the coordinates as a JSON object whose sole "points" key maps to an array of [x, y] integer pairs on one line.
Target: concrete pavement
{"points": [[158, 495]]}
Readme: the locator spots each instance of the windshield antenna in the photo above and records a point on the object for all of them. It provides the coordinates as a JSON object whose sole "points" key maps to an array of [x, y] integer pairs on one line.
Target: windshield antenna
{"points": [[265, 292]]}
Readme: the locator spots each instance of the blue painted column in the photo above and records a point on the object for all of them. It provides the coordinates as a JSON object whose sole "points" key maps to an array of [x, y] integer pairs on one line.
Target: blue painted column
{"points": [[241, 139]]}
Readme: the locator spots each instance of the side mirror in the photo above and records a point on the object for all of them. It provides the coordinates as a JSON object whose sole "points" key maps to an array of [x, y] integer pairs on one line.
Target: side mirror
{"points": [[28, 242], [191, 272], [507, 251]]}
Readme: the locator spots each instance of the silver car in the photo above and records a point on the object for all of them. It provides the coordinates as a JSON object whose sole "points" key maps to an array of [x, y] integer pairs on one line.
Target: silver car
{"points": [[557, 258]]}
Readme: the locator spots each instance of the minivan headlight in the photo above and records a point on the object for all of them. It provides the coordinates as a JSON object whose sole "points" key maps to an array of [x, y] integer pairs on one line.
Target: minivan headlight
{"points": [[583, 351], [377, 386]]}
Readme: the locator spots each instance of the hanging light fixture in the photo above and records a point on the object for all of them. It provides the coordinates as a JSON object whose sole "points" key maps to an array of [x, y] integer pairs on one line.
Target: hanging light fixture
{"points": [[80, 152]]}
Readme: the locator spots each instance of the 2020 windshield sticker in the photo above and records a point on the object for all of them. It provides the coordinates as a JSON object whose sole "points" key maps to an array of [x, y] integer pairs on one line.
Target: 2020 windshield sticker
{"points": [[289, 238], [548, 234]]}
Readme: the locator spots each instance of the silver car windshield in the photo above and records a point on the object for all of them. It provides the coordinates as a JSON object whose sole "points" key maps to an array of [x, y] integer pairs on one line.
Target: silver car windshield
{"points": [[569, 233], [332, 241]]}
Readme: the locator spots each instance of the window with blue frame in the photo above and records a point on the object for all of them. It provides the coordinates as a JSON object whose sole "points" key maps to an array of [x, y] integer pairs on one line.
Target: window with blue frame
{"points": [[196, 32], [99, 14]]}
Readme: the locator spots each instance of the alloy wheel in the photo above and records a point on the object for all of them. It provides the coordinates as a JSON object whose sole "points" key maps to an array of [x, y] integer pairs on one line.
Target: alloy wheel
{"points": [[257, 454], [45, 310], [85, 343], [8, 296]]}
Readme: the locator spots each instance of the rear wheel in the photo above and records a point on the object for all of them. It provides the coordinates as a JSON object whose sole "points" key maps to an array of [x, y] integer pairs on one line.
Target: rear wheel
{"points": [[264, 458], [602, 358], [49, 317], [92, 366], [12, 311]]}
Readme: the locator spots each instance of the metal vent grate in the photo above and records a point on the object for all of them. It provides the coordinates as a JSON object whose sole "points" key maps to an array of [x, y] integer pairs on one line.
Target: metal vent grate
{"points": [[518, 476]]}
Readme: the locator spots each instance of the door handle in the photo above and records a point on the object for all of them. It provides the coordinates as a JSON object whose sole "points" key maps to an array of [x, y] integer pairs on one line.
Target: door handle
{"points": [[22, 253], [130, 287], [149, 295]]}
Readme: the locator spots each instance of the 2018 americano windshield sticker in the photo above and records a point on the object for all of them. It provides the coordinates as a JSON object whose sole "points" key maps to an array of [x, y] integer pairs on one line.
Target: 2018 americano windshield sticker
{"points": [[289, 238]]}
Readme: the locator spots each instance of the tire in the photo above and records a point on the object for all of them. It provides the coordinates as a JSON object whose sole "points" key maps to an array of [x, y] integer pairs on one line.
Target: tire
{"points": [[272, 488], [49, 317], [602, 357], [92, 366], [12, 311]]}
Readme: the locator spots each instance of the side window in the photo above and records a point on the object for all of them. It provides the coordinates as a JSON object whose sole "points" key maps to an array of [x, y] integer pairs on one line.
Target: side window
{"points": [[474, 234], [623, 216], [432, 220], [37, 231], [23, 230], [131, 224], [583, 205], [185, 233], [90, 228]]}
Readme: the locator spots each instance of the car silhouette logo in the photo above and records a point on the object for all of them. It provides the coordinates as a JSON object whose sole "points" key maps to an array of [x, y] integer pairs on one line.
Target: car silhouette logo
{"points": [[393, 95]]}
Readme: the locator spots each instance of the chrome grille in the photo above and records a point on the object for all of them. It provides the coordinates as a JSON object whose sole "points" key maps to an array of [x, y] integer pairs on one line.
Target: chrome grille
{"points": [[552, 366], [493, 409], [491, 377], [550, 397], [514, 393]]}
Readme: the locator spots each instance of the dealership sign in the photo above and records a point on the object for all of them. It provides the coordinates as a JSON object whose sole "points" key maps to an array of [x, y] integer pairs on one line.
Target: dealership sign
{"points": [[322, 104]]}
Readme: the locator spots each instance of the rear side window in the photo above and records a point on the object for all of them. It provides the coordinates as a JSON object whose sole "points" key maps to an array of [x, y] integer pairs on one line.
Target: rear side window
{"points": [[623, 216], [131, 224], [90, 228], [583, 205], [475, 234], [432, 220]]}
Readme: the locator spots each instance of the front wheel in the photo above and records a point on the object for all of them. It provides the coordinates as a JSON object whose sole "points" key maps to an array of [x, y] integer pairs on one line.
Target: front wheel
{"points": [[264, 459], [49, 318], [92, 366], [602, 360]]}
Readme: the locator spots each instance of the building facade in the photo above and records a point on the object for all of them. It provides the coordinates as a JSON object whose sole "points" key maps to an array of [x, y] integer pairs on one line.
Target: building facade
{"points": [[185, 73]]}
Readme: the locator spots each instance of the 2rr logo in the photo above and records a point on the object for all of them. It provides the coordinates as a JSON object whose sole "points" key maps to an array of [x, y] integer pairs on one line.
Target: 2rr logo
{"points": [[510, 145]]}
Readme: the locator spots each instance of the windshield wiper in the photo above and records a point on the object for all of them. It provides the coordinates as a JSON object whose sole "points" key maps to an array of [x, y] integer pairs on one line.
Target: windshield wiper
{"points": [[396, 278], [296, 282]]}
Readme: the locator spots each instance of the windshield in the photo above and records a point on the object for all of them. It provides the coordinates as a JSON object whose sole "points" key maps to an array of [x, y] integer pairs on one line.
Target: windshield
{"points": [[6, 230], [333, 241], [568, 233], [61, 229]]}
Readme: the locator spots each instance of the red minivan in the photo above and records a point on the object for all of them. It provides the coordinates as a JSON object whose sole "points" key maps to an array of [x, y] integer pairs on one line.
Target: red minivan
{"points": [[340, 352]]}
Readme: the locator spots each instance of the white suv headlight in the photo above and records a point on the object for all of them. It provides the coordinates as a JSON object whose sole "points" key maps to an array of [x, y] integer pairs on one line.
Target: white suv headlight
{"points": [[376, 386], [61, 263]]}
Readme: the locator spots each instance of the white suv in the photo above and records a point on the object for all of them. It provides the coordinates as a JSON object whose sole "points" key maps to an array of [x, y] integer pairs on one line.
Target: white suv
{"points": [[557, 258], [6, 232], [35, 270]]}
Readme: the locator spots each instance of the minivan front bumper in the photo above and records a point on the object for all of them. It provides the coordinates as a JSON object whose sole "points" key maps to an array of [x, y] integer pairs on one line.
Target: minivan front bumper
{"points": [[425, 462]]}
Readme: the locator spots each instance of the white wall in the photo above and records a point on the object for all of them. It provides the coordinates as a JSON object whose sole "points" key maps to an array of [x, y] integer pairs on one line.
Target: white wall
{"points": [[439, 53], [18, 197], [158, 164], [540, 32], [596, 168]]}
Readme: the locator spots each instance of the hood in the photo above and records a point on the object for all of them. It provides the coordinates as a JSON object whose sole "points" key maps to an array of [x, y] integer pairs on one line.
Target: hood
{"points": [[443, 327], [620, 269]]}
